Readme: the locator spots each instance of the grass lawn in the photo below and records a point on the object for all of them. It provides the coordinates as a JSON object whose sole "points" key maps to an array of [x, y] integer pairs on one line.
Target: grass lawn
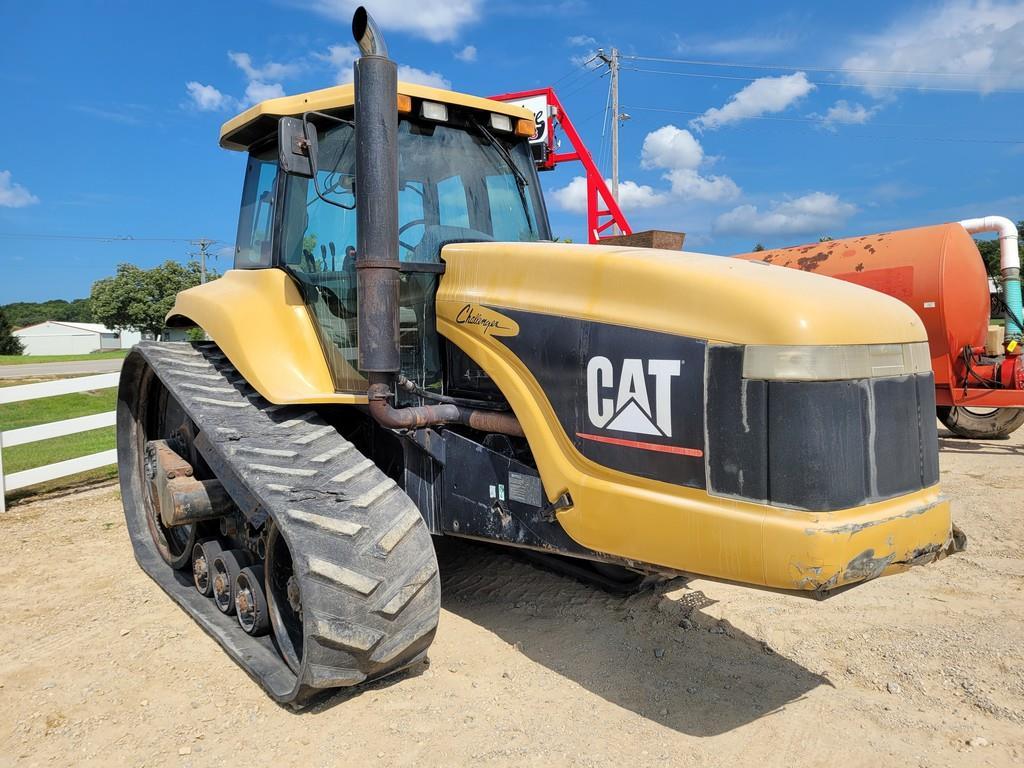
{"points": [[33, 359], [47, 409]]}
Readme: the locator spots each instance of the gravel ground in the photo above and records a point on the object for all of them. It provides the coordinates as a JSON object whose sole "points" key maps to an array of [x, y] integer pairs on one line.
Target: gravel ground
{"points": [[97, 667]]}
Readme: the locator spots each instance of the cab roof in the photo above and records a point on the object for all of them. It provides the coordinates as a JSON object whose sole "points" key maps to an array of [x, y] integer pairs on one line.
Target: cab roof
{"points": [[260, 120]]}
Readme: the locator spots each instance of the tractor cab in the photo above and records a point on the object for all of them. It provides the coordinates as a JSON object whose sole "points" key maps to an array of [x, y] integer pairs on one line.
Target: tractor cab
{"points": [[465, 174]]}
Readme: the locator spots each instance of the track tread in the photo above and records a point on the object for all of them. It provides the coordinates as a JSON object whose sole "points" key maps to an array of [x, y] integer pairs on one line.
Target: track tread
{"points": [[368, 575]]}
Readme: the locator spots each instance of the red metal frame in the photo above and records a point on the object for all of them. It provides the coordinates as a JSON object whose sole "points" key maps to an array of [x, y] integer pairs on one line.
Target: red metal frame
{"points": [[599, 218]]}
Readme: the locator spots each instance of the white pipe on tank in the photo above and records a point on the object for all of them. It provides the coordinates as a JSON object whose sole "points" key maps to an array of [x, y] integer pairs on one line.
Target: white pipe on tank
{"points": [[1009, 256], [1009, 265]]}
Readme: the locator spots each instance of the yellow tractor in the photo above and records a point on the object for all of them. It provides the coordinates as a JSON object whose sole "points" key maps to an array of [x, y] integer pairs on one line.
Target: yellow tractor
{"points": [[401, 351]]}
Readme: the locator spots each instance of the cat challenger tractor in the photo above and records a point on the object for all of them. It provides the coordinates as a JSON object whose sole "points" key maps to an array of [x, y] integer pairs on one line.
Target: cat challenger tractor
{"points": [[401, 351]]}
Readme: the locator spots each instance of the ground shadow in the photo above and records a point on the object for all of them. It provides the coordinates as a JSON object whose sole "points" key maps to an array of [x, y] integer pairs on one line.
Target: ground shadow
{"points": [[949, 443], [702, 678]]}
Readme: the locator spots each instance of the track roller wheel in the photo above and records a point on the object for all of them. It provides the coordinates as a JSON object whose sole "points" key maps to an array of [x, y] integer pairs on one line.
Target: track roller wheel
{"points": [[203, 554], [250, 602], [226, 567]]}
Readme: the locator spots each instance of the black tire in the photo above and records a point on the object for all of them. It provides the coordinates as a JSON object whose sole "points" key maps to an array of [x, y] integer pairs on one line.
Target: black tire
{"points": [[250, 602], [203, 554], [981, 423], [226, 567]]}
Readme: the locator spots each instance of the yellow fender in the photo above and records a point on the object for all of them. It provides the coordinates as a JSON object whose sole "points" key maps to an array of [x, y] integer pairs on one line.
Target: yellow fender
{"points": [[259, 320]]}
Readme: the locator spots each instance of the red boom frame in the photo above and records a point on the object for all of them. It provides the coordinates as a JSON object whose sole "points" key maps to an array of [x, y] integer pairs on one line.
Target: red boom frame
{"points": [[603, 211]]}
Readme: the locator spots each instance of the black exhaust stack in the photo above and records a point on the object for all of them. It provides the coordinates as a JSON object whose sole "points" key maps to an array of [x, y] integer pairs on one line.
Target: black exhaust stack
{"points": [[376, 113], [376, 117]]}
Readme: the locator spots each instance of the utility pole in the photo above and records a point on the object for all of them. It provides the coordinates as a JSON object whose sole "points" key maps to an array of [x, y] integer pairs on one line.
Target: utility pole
{"points": [[612, 60], [203, 244]]}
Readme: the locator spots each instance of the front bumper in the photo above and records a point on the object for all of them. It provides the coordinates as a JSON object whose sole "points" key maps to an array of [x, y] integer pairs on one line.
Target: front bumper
{"points": [[824, 551]]}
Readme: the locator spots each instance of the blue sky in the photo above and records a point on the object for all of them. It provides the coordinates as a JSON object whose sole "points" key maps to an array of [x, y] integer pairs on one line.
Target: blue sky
{"points": [[781, 122]]}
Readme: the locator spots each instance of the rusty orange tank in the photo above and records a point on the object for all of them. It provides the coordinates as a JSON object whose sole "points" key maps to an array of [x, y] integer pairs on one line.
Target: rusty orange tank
{"points": [[938, 272]]}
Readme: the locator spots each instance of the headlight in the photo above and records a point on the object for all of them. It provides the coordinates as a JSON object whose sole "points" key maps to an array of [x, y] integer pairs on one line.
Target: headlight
{"points": [[831, 363], [433, 110], [501, 122]]}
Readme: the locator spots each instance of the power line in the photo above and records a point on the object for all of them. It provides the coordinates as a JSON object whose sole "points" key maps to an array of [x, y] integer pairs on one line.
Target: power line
{"points": [[96, 238], [574, 75], [582, 84], [841, 70], [823, 121], [840, 84]]}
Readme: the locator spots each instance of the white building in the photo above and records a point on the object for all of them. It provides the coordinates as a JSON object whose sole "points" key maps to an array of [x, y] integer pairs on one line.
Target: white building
{"points": [[58, 337]]}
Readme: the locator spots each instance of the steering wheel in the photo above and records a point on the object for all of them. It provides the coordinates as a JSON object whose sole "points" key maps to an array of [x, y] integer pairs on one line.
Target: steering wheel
{"points": [[409, 225]]}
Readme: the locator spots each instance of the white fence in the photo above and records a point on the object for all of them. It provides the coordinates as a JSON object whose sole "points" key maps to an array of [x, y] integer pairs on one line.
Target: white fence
{"points": [[24, 435]]}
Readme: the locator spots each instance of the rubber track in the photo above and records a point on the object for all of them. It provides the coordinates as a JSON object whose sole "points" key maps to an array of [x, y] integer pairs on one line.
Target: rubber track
{"points": [[363, 555]]}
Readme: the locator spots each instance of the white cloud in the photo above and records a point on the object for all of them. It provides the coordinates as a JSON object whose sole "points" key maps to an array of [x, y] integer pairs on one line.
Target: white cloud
{"points": [[982, 39], [632, 196], [747, 46], [587, 60], [814, 213], [13, 195], [206, 98], [413, 75], [845, 113], [678, 153], [466, 54], [690, 185], [766, 94], [671, 147], [272, 70], [435, 20], [258, 91], [340, 58], [579, 41]]}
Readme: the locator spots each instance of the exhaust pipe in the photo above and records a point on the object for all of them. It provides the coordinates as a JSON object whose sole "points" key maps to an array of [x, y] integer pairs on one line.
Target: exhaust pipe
{"points": [[376, 113], [367, 35], [377, 265]]}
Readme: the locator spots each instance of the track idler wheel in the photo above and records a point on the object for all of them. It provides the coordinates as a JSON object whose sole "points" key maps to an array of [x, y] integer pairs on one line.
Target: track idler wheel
{"points": [[226, 567], [250, 602]]}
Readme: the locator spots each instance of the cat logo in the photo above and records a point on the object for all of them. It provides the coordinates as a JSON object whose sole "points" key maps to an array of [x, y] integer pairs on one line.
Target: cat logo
{"points": [[625, 404]]}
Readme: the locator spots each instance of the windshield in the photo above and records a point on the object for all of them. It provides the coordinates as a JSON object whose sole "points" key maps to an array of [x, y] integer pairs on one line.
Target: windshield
{"points": [[455, 184]]}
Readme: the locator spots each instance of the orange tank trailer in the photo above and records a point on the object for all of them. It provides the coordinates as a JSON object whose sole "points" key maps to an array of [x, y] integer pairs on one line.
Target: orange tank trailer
{"points": [[938, 272]]}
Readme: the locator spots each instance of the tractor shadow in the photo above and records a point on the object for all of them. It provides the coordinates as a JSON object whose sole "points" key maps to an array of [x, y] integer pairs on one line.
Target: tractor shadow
{"points": [[702, 678]]}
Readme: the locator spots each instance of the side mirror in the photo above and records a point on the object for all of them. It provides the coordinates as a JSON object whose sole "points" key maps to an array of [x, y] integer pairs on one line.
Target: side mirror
{"points": [[297, 147]]}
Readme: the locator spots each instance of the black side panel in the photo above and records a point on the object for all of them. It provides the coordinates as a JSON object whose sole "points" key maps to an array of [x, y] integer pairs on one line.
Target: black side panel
{"points": [[817, 444], [737, 427], [929, 430], [880, 441], [491, 496], [897, 436], [629, 399]]}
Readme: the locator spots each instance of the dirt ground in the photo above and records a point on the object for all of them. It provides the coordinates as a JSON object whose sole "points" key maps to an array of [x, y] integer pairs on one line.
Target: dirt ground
{"points": [[97, 667]]}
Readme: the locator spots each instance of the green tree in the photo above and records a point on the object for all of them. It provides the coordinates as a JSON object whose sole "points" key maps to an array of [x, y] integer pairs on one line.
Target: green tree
{"points": [[141, 298], [989, 250], [23, 313], [9, 343], [825, 239], [758, 247]]}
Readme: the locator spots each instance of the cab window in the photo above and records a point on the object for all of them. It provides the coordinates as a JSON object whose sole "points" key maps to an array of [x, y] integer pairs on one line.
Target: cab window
{"points": [[253, 246]]}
